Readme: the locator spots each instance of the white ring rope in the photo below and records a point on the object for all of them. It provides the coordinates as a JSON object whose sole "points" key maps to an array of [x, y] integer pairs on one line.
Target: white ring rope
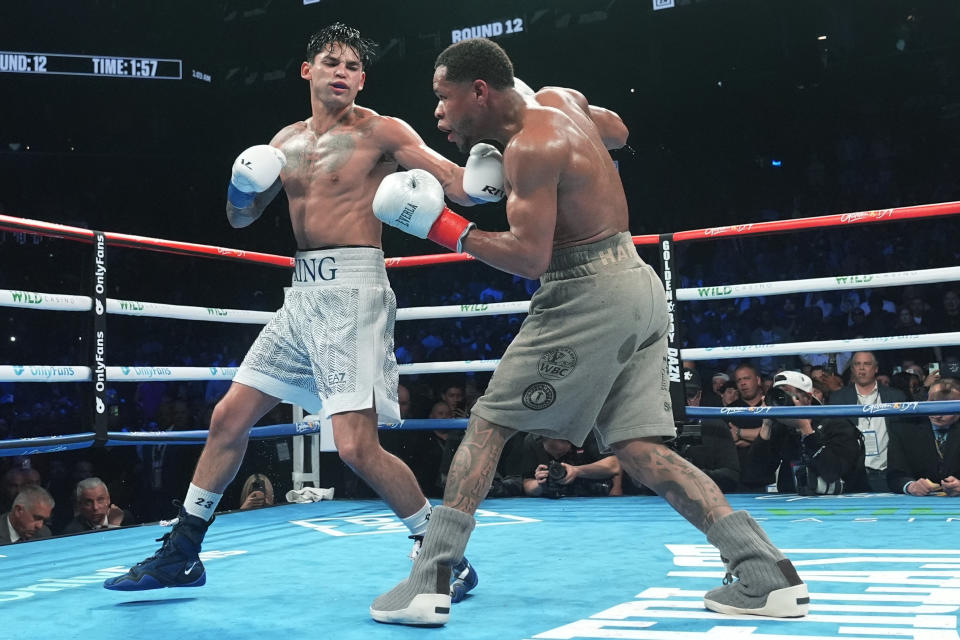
{"points": [[822, 346], [66, 302], [73, 373], [77, 373], [830, 283]]}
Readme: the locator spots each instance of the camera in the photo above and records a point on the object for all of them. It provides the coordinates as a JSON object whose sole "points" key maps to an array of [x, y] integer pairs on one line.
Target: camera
{"points": [[556, 471], [689, 434], [811, 484], [778, 397], [257, 485], [553, 487]]}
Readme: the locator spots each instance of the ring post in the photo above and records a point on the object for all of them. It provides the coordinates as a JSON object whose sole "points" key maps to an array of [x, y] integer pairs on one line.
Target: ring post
{"points": [[99, 335], [668, 271]]}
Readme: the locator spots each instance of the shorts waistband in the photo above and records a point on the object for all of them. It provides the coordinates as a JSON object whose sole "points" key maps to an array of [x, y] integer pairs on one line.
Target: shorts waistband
{"points": [[614, 253], [340, 267]]}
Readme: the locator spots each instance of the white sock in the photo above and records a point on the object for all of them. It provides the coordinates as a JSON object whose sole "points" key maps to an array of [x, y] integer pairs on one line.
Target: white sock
{"points": [[417, 523], [201, 503]]}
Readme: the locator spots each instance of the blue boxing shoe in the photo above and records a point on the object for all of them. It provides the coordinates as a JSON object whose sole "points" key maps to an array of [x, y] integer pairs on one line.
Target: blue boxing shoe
{"points": [[465, 579], [175, 564], [464, 576]]}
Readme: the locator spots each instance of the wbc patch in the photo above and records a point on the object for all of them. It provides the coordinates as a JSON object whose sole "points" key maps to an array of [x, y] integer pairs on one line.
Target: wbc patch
{"points": [[538, 396], [557, 363]]}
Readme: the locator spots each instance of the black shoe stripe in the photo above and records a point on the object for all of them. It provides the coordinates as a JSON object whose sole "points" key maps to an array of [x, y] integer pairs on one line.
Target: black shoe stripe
{"points": [[441, 609], [789, 572], [803, 600]]}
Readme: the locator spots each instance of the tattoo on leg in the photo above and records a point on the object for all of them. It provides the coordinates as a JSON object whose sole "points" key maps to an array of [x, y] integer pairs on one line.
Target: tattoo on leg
{"points": [[474, 464], [694, 495]]}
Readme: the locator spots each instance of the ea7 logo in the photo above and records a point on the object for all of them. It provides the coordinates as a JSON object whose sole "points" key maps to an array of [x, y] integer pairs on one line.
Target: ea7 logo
{"points": [[336, 378]]}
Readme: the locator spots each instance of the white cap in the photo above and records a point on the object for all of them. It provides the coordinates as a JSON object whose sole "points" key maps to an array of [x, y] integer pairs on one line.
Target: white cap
{"points": [[794, 379], [722, 376]]}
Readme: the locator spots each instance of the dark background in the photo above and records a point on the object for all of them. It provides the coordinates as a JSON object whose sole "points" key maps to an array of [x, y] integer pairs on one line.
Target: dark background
{"points": [[712, 91]]}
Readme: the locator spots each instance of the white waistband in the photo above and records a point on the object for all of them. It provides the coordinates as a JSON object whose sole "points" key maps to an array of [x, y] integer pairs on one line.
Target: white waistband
{"points": [[347, 266]]}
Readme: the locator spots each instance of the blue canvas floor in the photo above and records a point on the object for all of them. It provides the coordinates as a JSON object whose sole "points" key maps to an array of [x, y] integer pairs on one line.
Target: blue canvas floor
{"points": [[877, 567]]}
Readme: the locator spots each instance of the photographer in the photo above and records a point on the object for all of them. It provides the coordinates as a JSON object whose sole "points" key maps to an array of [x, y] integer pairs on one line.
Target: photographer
{"points": [[554, 468], [817, 456]]}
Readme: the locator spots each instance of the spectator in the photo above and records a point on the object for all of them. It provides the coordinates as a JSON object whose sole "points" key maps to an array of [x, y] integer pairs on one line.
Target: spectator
{"points": [[746, 429], [865, 390], [94, 509], [27, 519], [707, 443], [711, 396], [691, 387], [13, 481], [923, 461], [818, 457], [257, 492], [403, 400], [554, 468], [453, 395], [729, 394]]}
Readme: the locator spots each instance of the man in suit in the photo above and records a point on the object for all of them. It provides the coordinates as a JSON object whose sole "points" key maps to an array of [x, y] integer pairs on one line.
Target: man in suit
{"points": [[95, 511], [925, 460], [27, 519], [866, 390]]}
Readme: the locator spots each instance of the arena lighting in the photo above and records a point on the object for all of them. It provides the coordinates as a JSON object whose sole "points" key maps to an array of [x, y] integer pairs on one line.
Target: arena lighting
{"points": [[821, 37], [775, 163]]}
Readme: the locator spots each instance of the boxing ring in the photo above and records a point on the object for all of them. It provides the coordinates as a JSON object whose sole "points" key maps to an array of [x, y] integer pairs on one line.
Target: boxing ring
{"points": [[878, 565]]}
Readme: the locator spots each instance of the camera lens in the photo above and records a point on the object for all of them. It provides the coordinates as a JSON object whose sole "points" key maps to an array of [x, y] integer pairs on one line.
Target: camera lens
{"points": [[778, 397]]}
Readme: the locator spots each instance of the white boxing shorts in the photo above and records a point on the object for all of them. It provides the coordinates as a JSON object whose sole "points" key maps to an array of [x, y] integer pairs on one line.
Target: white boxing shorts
{"points": [[330, 346]]}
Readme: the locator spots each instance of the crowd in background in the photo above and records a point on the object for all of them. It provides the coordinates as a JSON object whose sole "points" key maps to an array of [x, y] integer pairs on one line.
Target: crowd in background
{"points": [[865, 159]]}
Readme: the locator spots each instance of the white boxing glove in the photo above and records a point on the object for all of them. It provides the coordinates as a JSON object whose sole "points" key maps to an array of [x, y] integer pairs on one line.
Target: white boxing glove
{"points": [[522, 87], [254, 171], [483, 174], [412, 201]]}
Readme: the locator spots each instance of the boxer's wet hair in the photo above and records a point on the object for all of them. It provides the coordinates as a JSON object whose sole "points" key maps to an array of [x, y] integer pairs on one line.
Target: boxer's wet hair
{"points": [[339, 33], [477, 59]]}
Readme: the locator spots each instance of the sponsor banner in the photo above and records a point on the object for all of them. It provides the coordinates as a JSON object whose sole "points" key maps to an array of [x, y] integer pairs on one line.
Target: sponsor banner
{"points": [[183, 312], [831, 283], [43, 373], [925, 408], [871, 216], [139, 374], [50, 301], [737, 228], [902, 407], [98, 345], [670, 378], [461, 310]]}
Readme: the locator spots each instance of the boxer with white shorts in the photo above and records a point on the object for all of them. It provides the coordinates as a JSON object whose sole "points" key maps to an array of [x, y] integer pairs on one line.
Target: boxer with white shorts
{"points": [[330, 347]]}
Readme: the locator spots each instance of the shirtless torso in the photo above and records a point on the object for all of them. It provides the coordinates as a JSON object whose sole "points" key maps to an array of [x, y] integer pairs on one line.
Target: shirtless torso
{"points": [[562, 186], [591, 204], [331, 177], [338, 156]]}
